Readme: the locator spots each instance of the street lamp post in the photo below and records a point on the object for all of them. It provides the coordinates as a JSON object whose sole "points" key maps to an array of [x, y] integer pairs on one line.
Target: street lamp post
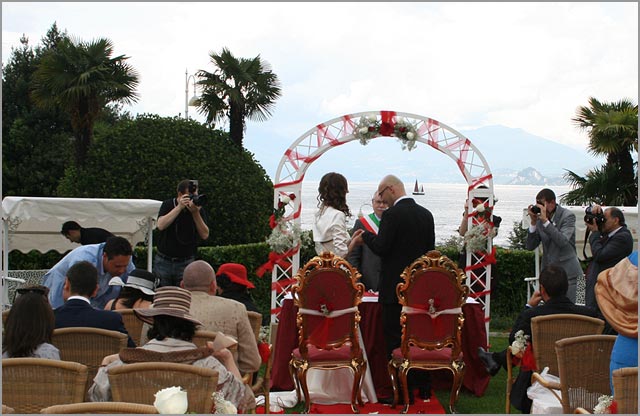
{"points": [[194, 100]]}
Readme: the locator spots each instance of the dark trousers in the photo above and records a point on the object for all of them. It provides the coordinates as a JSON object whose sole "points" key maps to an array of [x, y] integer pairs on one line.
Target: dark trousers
{"points": [[393, 337]]}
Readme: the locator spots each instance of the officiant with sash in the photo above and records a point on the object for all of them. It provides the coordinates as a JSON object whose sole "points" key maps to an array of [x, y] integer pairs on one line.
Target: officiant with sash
{"points": [[361, 257]]}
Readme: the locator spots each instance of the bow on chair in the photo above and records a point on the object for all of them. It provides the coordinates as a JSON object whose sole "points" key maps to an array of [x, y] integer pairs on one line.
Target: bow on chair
{"points": [[321, 334], [433, 313]]}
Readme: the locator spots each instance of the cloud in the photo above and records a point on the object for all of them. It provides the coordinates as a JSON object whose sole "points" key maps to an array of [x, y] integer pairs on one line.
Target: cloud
{"points": [[524, 65]]}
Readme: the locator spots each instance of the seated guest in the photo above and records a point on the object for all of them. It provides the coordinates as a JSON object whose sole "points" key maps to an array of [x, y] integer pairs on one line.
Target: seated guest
{"points": [[80, 285], [137, 292], [553, 291], [616, 293], [219, 314], [171, 333], [30, 323], [77, 234], [233, 283]]}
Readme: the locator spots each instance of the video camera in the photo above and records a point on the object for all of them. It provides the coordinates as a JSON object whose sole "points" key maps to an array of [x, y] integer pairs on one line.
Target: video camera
{"points": [[198, 200], [591, 218]]}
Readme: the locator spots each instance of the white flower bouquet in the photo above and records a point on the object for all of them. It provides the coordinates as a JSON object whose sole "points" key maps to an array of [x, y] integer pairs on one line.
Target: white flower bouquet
{"points": [[604, 405], [222, 405], [171, 401], [519, 344]]}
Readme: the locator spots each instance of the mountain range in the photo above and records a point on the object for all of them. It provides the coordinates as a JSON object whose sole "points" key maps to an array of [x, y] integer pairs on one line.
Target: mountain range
{"points": [[514, 156]]}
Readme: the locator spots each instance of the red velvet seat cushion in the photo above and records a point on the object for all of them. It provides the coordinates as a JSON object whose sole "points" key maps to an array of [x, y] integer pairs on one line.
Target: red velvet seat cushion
{"points": [[417, 354]]}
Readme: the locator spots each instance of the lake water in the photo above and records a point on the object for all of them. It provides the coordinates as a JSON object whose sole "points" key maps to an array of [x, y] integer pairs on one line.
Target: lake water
{"points": [[445, 201]]}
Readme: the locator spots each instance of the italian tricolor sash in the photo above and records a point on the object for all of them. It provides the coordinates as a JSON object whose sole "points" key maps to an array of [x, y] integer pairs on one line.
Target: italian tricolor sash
{"points": [[371, 223]]}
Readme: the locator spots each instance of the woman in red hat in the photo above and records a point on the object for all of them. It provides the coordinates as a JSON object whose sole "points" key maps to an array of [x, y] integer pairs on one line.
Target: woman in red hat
{"points": [[233, 283]]}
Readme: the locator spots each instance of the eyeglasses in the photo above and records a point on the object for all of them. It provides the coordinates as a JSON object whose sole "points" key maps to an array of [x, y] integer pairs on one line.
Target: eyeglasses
{"points": [[384, 189]]}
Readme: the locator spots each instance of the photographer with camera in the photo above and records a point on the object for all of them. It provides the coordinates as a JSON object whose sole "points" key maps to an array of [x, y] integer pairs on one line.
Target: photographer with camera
{"points": [[610, 241], [182, 224], [555, 228]]}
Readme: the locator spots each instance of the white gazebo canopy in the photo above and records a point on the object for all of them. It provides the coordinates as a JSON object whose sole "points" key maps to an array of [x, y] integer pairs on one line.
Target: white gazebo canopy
{"points": [[34, 223]]}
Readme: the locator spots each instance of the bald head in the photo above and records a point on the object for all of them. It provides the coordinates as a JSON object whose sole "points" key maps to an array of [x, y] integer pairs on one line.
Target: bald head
{"points": [[199, 276], [391, 189]]}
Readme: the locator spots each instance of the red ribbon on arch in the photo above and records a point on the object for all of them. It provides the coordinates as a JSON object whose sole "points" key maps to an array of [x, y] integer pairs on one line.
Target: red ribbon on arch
{"points": [[488, 259], [276, 259], [388, 123]]}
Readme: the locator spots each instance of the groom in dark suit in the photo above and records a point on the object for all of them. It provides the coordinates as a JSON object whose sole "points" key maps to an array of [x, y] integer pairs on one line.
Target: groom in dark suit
{"points": [[80, 285], [406, 233]]}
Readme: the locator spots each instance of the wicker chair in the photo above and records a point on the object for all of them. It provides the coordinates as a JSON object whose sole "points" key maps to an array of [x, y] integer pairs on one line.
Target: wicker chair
{"points": [[132, 323], [328, 338], [582, 380], [255, 318], [432, 295], [101, 408], [201, 337], [88, 346], [138, 382], [545, 331], [625, 391], [30, 384]]}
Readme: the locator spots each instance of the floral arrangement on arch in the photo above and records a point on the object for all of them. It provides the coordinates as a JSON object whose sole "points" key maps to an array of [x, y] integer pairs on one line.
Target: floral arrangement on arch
{"points": [[369, 127], [476, 237], [285, 235]]}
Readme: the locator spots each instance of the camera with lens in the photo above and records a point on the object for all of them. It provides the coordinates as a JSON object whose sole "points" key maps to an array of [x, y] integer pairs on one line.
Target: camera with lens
{"points": [[591, 218], [535, 209], [198, 200]]}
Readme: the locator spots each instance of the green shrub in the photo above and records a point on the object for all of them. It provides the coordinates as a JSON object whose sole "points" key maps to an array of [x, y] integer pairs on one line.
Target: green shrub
{"points": [[148, 156]]}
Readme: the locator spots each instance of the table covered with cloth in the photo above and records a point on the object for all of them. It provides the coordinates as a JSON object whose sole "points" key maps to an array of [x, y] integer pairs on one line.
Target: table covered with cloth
{"points": [[474, 335]]}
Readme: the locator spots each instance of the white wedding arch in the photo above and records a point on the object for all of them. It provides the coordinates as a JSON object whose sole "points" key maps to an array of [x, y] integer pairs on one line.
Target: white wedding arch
{"points": [[363, 126]]}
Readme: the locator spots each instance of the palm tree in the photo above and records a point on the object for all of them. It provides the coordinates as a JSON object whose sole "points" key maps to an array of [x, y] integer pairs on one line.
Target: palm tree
{"points": [[81, 78], [237, 89], [613, 131]]}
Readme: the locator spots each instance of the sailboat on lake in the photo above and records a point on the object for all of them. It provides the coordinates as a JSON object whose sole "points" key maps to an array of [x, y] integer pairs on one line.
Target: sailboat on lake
{"points": [[417, 191]]}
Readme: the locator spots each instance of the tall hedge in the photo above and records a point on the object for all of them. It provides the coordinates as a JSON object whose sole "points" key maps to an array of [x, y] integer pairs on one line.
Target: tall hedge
{"points": [[148, 156]]}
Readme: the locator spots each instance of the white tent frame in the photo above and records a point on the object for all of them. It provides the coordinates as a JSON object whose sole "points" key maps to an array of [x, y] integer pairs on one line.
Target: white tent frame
{"points": [[35, 222]]}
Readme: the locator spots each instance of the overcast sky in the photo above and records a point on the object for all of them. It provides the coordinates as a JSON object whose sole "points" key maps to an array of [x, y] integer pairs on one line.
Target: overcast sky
{"points": [[522, 65]]}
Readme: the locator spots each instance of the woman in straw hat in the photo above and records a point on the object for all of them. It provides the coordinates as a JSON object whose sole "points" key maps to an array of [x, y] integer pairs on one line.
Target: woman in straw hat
{"points": [[617, 296], [170, 335]]}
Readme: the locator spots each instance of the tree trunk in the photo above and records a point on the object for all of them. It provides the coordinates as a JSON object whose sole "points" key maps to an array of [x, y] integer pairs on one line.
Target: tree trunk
{"points": [[236, 125]]}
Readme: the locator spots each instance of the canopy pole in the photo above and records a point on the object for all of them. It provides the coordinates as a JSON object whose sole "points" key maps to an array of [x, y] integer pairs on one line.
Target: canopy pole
{"points": [[150, 244], [5, 262]]}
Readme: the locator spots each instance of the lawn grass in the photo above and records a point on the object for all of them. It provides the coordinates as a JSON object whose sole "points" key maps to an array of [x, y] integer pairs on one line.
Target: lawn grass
{"points": [[492, 402]]}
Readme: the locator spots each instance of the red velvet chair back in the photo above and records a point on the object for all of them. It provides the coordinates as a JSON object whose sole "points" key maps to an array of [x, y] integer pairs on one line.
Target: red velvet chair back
{"points": [[432, 296], [327, 284]]}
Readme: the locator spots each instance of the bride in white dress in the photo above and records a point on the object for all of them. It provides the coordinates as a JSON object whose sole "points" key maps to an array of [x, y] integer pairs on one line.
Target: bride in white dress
{"points": [[330, 234]]}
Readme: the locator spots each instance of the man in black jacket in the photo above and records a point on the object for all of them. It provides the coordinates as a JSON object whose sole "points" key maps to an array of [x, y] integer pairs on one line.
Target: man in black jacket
{"points": [[77, 234], [406, 232], [553, 291]]}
